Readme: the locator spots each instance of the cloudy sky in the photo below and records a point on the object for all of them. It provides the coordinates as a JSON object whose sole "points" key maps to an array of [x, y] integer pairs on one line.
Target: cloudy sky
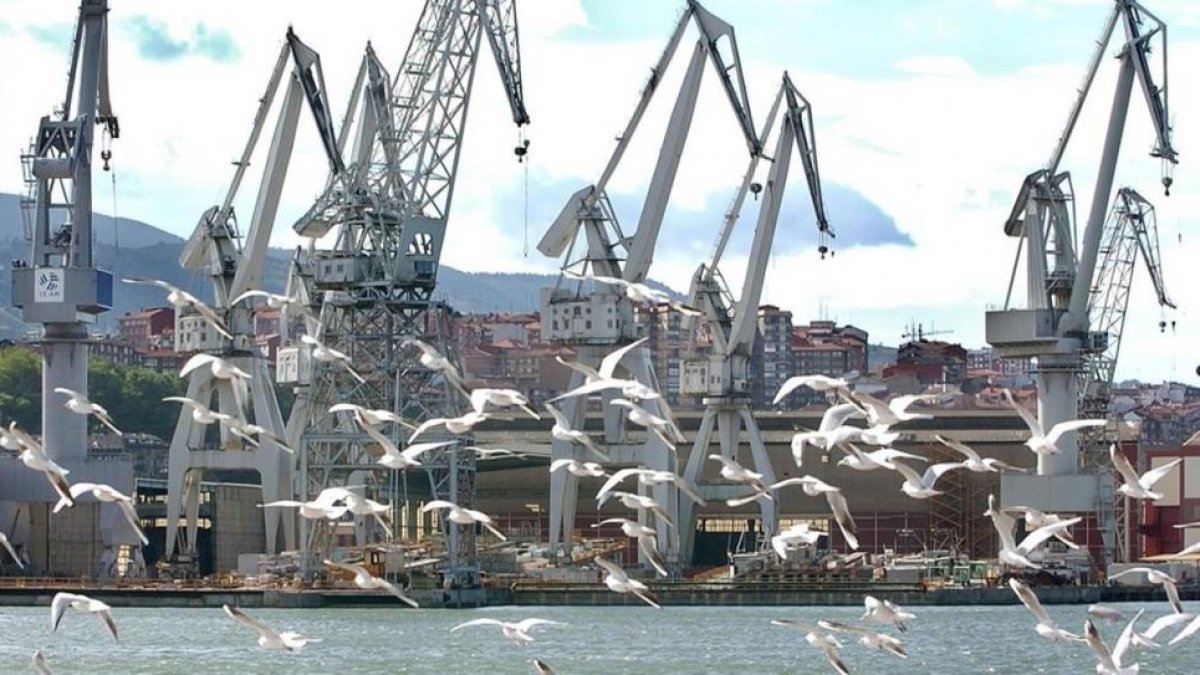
{"points": [[928, 115]]}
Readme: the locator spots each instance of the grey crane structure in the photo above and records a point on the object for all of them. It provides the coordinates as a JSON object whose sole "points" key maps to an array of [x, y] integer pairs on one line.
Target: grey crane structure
{"points": [[388, 207], [596, 320], [234, 265], [722, 378], [1054, 325], [60, 286]]}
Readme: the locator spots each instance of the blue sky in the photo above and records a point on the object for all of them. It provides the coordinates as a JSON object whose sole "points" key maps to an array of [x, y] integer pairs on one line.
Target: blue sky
{"points": [[927, 113]]}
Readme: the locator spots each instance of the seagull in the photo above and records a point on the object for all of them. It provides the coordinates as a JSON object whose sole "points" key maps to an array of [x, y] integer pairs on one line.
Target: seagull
{"points": [[796, 533], [61, 601], [501, 398], [12, 552], [1135, 486], [833, 431], [1035, 519], [1184, 634], [814, 382], [181, 300], [437, 362], [1041, 442], [618, 581], [493, 453], [517, 632], [921, 487], [267, 637], [876, 459], [33, 456], [892, 412], [883, 611], [223, 370], [201, 413], [562, 431], [105, 493], [648, 477], [647, 540], [40, 665], [813, 487], [1018, 555], [604, 377], [541, 668], [79, 403], [734, 471], [405, 459], [973, 461], [371, 416], [247, 431], [311, 510], [463, 516], [639, 292], [1105, 612], [1167, 621], [275, 301], [1045, 625], [456, 425], [366, 581], [868, 638], [356, 504], [1156, 577], [577, 468], [1190, 550], [327, 354], [1110, 662], [823, 641], [639, 502], [644, 418]]}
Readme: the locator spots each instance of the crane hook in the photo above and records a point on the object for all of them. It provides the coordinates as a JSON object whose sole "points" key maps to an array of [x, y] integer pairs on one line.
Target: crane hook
{"points": [[106, 155], [755, 188], [521, 150]]}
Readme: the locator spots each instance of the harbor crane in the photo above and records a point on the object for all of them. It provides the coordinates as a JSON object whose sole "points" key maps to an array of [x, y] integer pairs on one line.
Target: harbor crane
{"points": [[1055, 326], [387, 208], [722, 380], [60, 286], [235, 266], [595, 321]]}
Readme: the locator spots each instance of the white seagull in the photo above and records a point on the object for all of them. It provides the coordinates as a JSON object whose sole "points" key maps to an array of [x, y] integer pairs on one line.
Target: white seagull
{"points": [[647, 540], [604, 377], [734, 471], [181, 300], [619, 582], [1139, 487], [1156, 577], [921, 486], [665, 429], [638, 502], [463, 516], [82, 603], [1018, 555], [501, 398], [892, 412], [371, 416], [638, 292], [542, 668], [33, 456], [312, 510], [437, 362], [1040, 441], [973, 461], [456, 425], [40, 665], [1110, 662], [275, 301], [12, 552], [876, 459], [222, 370], [518, 632], [814, 382], [1045, 625], [327, 354], [796, 535], [577, 468], [201, 413], [267, 637], [647, 477], [867, 638], [78, 403], [562, 431], [105, 493], [813, 487], [823, 641], [884, 611], [366, 581]]}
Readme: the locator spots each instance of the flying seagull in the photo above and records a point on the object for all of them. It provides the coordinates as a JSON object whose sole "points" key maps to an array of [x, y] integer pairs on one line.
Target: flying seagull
{"points": [[78, 403], [82, 603], [1139, 487], [267, 637], [366, 581], [1040, 441], [105, 493], [181, 300], [518, 631]]}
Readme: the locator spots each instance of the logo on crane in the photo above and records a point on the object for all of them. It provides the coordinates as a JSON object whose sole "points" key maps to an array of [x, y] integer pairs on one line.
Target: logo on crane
{"points": [[49, 286]]}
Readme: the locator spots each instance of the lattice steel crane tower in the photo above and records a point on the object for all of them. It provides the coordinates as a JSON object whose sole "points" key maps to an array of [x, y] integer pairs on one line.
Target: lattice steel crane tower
{"points": [[722, 380], [1054, 326], [375, 285], [60, 286], [596, 321]]}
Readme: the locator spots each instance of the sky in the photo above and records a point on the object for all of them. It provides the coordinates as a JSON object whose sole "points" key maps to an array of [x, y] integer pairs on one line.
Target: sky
{"points": [[928, 114]]}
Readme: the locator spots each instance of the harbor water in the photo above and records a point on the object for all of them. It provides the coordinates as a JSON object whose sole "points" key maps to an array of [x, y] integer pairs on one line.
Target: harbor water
{"points": [[607, 640]]}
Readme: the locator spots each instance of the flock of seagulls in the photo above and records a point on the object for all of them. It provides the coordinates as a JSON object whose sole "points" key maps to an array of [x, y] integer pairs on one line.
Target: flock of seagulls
{"points": [[835, 432]]}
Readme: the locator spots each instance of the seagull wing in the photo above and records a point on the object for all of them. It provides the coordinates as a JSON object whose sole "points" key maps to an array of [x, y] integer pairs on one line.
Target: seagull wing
{"points": [[1092, 637], [1061, 428], [841, 513], [252, 293], [1125, 641], [247, 620], [130, 513], [1031, 421], [1152, 476], [1121, 463], [107, 421], [425, 426], [589, 372], [1030, 600], [438, 504], [1173, 595], [525, 624], [211, 317], [413, 451], [791, 384], [197, 361], [150, 282], [959, 446], [478, 622], [559, 418], [107, 617], [608, 365], [58, 608], [614, 480], [837, 415], [1040, 535], [935, 471]]}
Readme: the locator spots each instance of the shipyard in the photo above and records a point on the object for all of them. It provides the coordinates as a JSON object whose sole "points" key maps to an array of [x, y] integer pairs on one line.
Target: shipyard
{"points": [[332, 355]]}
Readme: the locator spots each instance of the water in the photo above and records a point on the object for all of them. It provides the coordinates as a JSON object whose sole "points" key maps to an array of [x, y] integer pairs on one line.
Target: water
{"points": [[607, 640]]}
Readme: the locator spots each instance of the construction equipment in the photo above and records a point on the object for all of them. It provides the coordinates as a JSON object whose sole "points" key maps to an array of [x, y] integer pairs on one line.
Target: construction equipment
{"points": [[595, 321], [60, 286], [234, 266], [1055, 325], [722, 379], [388, 209]]}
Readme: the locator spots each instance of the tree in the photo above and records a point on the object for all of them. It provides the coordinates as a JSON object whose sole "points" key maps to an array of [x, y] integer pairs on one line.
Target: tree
{"points": [[20, 387]]}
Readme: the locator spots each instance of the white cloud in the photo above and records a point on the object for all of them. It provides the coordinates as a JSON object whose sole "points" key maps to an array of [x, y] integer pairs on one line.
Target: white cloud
{"points": [[935, 66]]}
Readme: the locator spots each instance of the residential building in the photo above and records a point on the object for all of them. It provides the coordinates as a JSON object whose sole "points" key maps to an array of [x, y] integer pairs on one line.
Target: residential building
{"points": [[771, 362], [141, 327]]}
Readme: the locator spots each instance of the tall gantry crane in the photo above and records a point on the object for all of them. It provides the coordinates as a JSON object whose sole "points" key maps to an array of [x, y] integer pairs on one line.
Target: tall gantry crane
{"points": [[1054, 326], [595, 320], [60, 286], [234, 265], [389, 205], [722, 379]]}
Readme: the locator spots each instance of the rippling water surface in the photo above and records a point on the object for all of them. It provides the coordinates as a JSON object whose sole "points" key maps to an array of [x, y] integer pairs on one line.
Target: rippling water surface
{"points": [[608, 640]]}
